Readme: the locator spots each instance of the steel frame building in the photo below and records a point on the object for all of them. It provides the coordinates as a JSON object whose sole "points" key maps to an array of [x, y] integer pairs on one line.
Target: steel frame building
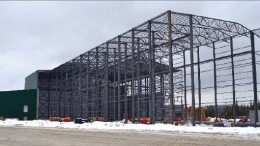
{"points": [[142, 72]]}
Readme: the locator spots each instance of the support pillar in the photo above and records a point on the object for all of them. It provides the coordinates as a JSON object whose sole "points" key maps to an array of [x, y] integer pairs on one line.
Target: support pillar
{"points": [[125, 78], [185, 90], [106, 84], [171, 94], [139, 79], [254, 76], [233, 79], [80, 82], [114, 85], [192, 72], [215, 80], [88, 96], [199, 84], [133, 75], [119, 80], [97, 87]]}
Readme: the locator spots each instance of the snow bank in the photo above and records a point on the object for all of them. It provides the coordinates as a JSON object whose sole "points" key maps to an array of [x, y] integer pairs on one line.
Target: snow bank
{"points": [[238, 131]]}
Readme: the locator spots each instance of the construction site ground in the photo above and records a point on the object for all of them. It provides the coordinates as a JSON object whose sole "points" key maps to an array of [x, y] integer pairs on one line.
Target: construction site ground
{"points": [[24, 136]]}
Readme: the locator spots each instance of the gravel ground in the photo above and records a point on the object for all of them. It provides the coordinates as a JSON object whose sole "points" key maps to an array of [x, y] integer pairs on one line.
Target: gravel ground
{"points": [[23, 136]]}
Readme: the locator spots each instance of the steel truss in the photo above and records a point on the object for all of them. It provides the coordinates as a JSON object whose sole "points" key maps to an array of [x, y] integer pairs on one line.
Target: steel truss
{"points": [[141, 73]]}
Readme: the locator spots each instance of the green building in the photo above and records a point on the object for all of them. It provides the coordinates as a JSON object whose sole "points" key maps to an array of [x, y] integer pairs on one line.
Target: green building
{"points": [[21, 104]]}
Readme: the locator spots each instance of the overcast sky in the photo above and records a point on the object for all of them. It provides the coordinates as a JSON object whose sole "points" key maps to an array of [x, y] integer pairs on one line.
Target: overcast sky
{"points": [[43, 35]]}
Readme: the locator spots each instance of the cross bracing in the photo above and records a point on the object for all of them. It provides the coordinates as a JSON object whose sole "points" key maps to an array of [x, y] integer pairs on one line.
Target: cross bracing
{"points": [[143, 72]]}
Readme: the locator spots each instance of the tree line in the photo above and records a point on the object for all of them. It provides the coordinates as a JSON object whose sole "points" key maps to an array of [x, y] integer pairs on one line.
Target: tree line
{"points": [[227, 110]]}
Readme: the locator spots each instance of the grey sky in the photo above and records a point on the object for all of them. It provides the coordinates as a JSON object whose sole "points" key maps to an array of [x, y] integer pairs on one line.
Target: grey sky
{"points": [[43, 35]]}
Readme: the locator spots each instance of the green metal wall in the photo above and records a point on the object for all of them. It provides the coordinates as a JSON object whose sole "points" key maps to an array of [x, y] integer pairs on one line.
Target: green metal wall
{"points": [[12, 104]]}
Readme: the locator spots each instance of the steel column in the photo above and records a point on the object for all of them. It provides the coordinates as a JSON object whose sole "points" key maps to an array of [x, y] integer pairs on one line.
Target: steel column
{"points": [[152, 75], [133, 75], [125, 77], [60, 87], [171, 94], [150, 69], [139, 79], [66, 91], [233, 79], [106, 84], [119, 78], [96, 86], [80, 82], [192, 72], [88, 96], [199, 83], [114, 84], [254, 76], [215, 80], [184, 85]]}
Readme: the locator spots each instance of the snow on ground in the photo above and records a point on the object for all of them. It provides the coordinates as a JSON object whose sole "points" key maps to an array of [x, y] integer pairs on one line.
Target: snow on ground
{"points": [[120, 126]]}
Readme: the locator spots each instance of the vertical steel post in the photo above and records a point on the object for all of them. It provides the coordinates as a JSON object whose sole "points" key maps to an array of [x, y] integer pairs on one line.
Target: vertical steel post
{"points": [[114, 84], [233, 79], [171, 94], [66, 91], [215, 80], [133, 75], [60, 87], [88, 97], [199, 83], [151, 72], [118, 81], [72, 99], [139, 79], [254, 76], [97, 86], [152, 75], [80, 82], [125, 81], [106, 84], [56, 93], [162, 94], [50, 94], [185, 90], [192, 72], [70, 89], [73, 103], [150, 69]]}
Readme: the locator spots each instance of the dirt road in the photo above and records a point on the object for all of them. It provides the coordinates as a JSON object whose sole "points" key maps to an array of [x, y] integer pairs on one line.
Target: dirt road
{"points": [[23, 136]]}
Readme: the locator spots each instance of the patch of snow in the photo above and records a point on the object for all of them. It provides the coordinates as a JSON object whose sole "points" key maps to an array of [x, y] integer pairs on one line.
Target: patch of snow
{"points": [[120, 125]]}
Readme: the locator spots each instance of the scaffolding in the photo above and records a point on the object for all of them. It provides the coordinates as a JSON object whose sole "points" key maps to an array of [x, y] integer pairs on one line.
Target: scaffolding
{"points": [[144, 71]]}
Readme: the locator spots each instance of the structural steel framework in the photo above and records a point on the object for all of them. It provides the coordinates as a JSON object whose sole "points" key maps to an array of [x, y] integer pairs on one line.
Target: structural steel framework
{"points": [[144, 71]]}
